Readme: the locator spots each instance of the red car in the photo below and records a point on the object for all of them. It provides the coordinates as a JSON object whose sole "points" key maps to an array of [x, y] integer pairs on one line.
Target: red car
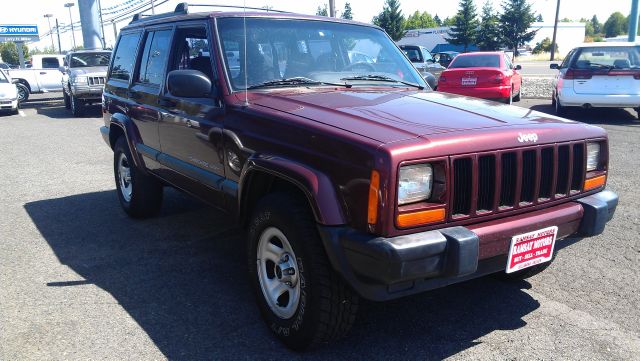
{"points": [[488, 75]]}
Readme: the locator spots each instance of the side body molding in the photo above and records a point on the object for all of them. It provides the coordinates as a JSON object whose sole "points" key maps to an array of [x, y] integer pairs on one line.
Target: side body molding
{"points": [[317, 187]]}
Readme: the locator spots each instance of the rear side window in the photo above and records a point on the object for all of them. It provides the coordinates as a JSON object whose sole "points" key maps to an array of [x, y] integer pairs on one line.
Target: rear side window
{"points": [[50, 63], [476, 61], [154, 58], [413, 54], [124, 57]]}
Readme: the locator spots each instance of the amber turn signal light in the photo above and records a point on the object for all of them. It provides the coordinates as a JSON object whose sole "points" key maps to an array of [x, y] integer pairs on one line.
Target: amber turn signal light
{"points": [[374, 188], [421, 217], [594, 182]]}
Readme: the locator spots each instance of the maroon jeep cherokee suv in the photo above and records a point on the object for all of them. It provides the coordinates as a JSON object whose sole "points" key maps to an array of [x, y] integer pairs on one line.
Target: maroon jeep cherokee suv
{"points": [[352, 178]]}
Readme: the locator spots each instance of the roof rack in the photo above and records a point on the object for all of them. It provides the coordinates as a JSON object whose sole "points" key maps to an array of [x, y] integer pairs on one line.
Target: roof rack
{"points": [[183, 8]]}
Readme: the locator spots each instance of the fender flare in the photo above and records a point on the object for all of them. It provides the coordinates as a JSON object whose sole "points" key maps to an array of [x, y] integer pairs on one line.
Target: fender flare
{"points": [[131, 135], [315, 185]]}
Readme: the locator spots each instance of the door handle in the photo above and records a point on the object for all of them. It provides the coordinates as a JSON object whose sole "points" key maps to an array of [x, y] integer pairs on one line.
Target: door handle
{"points": [[43, 73]]}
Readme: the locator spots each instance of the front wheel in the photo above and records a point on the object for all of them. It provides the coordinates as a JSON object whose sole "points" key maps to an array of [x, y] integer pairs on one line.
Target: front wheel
{"points": [[140, 194], [509, 100], [301, 298], [77, 106], [559, 108], [67, 100]]}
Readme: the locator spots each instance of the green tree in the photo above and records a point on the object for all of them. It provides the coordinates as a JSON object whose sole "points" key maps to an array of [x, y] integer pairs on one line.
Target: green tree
{"points": [[449, 21], [391, 19], [322, 10], [566, 20], [588, 27], [615, 25], [419, 21], [597, 26], [515, 22], [347, 13], [437, 20], [9, 52], [488, 37], [45, 50], [465, 30], [543, 47]]}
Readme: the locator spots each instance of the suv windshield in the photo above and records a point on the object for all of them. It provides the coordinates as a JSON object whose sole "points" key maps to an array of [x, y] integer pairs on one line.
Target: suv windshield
{"points": [[476, 61], [322, 52], [3, 78], [616, 57], [89, 59]]}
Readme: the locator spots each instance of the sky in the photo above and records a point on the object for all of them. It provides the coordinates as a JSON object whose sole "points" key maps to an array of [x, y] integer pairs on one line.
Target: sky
{"points": [[32, 11]]}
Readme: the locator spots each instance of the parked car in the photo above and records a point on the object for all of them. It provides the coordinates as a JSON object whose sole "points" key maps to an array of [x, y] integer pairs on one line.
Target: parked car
{"points": [[487, 75], [43, 75], [5, 66], [8, 93], [445, 58], [424, 62], [83, 79], [598, 75], [351, 180]]}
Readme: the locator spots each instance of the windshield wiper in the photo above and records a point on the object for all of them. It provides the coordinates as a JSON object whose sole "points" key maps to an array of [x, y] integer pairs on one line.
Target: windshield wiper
{"points": [[299, 80], [374, 77]]}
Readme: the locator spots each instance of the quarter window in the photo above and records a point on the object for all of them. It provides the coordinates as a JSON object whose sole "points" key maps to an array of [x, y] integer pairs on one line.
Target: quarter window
{"points": [[125, 56], [154, 58]]}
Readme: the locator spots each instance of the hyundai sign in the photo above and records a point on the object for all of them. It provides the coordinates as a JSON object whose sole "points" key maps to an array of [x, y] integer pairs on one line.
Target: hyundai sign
{"points": [[18, 32]]}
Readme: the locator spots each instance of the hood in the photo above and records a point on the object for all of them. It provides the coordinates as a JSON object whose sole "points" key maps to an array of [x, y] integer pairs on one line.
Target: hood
{"points": [[392, 115], [8, 91], [90, 70]]}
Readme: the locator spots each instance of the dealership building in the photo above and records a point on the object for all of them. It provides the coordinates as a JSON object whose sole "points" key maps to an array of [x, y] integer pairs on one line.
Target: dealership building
{"points": [[568, 37]]}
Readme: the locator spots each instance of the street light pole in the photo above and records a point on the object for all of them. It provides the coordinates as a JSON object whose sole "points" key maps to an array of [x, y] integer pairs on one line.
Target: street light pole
{"points": [[48, 16], [555, 30], [73, 35], [332, 8], [58, 32]]}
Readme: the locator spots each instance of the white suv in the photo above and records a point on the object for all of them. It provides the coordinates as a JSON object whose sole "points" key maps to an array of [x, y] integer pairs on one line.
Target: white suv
{"points": [[598, 75]]}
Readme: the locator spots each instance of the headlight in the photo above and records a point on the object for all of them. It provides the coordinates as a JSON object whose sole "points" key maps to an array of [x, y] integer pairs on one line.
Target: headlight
{"points": [[593, 156], [415, 183], [79, 80]]}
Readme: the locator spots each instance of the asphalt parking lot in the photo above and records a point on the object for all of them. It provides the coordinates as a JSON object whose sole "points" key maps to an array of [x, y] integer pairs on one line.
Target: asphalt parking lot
{"points": [[79, 280]]}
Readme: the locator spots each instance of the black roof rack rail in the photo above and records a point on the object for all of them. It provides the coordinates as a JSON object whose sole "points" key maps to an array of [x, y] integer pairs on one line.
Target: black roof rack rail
{"points": [[237, 7], [181, 9]]}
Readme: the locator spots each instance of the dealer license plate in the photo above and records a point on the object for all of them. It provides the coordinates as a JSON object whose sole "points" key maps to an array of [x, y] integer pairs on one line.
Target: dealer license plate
{"points": [[469, 81], [530, 249]]}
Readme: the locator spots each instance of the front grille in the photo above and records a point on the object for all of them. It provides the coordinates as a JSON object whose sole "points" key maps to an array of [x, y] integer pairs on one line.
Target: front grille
{"points": [[497, 181], [96, 80]]}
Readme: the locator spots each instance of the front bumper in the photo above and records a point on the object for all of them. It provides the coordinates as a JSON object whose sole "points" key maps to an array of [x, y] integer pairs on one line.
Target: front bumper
{"points": [[381, 268], [8, 104], [87, 92], [569, 98]]}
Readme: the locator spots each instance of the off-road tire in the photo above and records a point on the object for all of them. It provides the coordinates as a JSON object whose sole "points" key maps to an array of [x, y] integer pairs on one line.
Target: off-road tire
{"points": [[327, 306], [147, 191], [77, 106]]}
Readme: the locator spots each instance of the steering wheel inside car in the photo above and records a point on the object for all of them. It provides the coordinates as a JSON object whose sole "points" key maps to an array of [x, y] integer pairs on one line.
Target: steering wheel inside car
{"points": [[360, 65]]}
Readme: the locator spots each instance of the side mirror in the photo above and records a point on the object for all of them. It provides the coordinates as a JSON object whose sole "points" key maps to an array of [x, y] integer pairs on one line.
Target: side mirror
{"points": [[518, 67], [554, 66], [188, 84], [63, 69]]}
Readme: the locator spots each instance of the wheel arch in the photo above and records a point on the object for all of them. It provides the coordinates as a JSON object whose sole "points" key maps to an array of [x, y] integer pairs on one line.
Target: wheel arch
{"points": [[121, 125], [264, 175]]}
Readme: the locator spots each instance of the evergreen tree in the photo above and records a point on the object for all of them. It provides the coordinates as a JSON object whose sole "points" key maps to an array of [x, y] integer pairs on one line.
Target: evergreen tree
{"points": [[391, 19], [437, 20], [489, 34], [419, 21], [347, 13], [322, 11], [515, 22], [615, 25], [597, 26], [449, 21], [465, 26]]}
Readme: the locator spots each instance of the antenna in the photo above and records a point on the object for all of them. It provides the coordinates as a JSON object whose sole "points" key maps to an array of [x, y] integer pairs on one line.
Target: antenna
{"points": [[246, 76]]}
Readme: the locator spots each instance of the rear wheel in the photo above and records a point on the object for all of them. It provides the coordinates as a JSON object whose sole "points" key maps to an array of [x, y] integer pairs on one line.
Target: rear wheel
{"points": [[140, 194], [23, 92], [301, 298]]}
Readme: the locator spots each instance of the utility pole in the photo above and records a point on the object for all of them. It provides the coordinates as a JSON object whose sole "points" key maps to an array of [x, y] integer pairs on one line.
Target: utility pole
{"points": [[115, 32], [73, 35], [104, 42], [153, 8], [332, 8], [555, 31], [633, 21], [58, 32], [48, 16]]}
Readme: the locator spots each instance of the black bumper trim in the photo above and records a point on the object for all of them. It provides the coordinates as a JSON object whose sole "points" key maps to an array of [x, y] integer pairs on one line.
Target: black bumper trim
{"points": [[598, 210]]}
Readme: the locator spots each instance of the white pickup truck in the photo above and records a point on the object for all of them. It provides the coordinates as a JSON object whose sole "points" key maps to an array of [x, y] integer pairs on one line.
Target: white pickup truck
{"points": [[43, 76]]}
